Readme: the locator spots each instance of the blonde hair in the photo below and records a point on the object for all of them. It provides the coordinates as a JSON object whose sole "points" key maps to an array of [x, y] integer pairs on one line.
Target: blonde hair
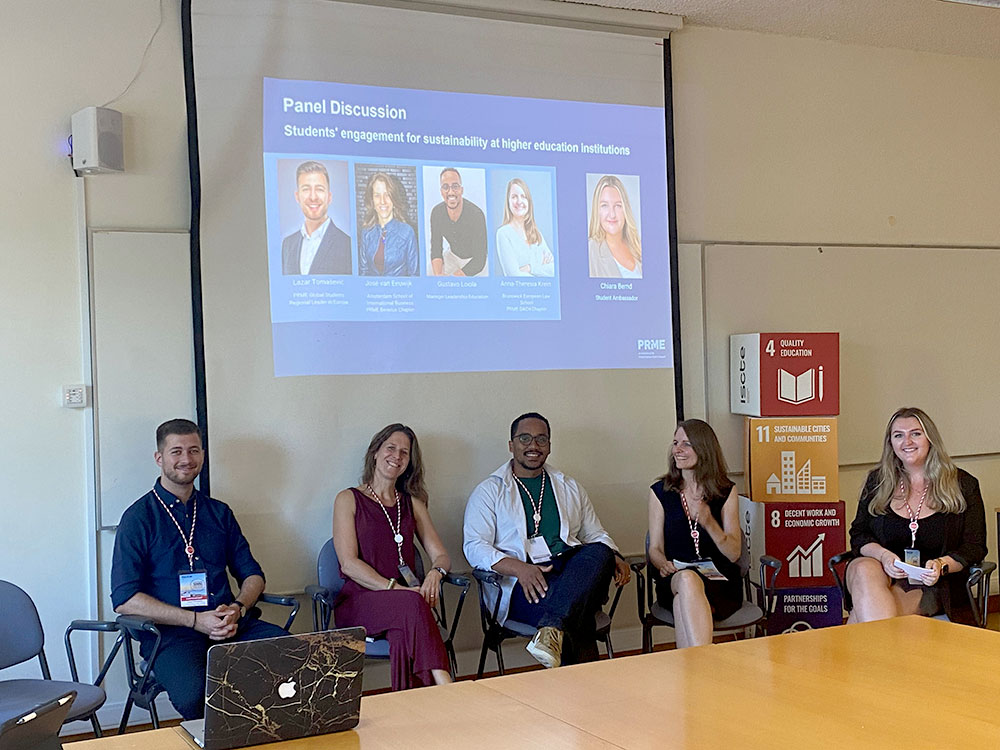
{"points": [[630, 232], [531, 233], [940, 473]]}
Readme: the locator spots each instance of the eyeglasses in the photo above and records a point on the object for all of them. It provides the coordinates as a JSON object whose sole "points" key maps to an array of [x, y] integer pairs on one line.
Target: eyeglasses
{"points": [[452, 188], [525, 439]]}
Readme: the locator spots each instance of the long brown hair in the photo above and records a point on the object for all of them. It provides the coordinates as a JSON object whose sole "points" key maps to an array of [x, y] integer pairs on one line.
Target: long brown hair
{"points": [[939, 471], [411, 480], [397, 194], [710, 471]]}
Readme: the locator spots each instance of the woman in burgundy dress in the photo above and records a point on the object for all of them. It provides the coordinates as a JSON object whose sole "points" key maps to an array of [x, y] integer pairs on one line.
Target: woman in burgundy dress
{"points": [[373, 529]]}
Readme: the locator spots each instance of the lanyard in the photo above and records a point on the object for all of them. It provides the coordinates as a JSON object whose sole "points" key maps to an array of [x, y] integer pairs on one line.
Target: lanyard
{"points": [[397, 537], [693, 523], [188, 540], [914, 524], [537, 508]]}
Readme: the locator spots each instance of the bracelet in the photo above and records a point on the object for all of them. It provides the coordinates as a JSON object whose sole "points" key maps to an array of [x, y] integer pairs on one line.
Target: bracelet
{"points": [[442, 571], [194, 623], [392, 584]]}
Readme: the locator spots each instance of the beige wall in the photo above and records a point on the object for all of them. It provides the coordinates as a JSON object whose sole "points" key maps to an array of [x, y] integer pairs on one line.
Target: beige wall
{"points": [[779, 140], [784, 141], [59, 56]]}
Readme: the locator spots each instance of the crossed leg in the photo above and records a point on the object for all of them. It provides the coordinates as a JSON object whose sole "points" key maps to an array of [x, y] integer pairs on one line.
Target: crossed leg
{"points": [[692, 612], [875, 598]]}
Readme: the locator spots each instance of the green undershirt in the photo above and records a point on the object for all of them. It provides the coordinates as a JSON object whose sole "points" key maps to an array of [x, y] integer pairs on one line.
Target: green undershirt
{"points": [[549, 527]]}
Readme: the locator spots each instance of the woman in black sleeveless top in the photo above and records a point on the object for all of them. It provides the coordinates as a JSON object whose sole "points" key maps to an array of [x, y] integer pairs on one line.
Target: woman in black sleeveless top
{"points": [[694, 514]]}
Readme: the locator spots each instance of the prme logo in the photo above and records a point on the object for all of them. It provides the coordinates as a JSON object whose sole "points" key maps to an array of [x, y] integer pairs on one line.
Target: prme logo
{"points": [[651, 345]]}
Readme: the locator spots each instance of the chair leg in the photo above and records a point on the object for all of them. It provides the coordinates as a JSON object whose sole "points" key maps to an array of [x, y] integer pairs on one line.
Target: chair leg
{"points": [[96, 725], [608, 646], [500, 659], [647, 639], [125, 714], [153, 717], [482, 660], [452, 659]]}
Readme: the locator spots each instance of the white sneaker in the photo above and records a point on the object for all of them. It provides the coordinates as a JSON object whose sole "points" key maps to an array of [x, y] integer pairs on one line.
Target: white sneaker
{"points": [[546, 647]]}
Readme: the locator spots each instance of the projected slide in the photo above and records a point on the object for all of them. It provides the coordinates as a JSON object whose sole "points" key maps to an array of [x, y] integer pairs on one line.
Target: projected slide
{"points": [[428, 231]]}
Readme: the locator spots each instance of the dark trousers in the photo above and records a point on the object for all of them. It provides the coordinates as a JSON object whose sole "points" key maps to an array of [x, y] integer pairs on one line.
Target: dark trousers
{"points": [[578, 588], [181, 661]]}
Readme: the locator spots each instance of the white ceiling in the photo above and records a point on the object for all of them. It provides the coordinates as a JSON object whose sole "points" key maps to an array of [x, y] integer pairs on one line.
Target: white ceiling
{"points": [[925, 25]]}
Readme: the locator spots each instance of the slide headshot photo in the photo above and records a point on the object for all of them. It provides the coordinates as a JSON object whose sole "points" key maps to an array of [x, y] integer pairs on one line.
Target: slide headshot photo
{"points": [[614, 245], [314, 206], [385, 201], [456, 225], [524, 222]]}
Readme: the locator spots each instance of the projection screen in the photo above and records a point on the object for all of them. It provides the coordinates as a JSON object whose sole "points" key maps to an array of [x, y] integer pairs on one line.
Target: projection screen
{"points": [[428, 218]]}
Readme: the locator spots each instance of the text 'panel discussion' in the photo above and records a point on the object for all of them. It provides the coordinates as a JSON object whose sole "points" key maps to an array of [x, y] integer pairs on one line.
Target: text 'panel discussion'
{"points": [[500, 374]]}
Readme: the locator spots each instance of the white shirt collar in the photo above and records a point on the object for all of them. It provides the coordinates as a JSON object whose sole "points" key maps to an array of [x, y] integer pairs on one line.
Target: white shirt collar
{"points": [[310, 246]]}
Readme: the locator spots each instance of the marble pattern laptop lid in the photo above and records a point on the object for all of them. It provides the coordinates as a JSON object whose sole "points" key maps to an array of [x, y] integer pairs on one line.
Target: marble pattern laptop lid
{"points": [[283, 688]]}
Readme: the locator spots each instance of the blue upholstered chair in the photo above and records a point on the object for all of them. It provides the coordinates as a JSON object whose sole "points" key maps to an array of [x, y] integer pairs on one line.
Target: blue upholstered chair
{"points": [[331, 581], [22, 639], [141, 674], [494, 634], [751, 614]]}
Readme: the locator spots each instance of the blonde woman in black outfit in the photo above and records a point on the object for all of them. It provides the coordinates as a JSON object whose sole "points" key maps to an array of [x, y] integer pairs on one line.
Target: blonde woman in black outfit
{"points": [[915, 504]]}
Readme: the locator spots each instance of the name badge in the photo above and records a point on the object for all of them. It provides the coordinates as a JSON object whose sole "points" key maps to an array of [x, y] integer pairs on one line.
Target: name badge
{"points": [[538, 550], [411, 580], [194, 588], [912, 557]]}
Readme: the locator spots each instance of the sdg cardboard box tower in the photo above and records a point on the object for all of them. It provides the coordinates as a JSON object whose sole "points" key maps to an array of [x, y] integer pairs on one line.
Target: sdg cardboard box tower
{"points": [[788, 386], [784, 374]]}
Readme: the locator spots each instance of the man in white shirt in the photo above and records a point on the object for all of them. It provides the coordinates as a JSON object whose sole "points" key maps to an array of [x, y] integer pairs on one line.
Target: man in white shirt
{"points": [[319, 247], [536, 527]]}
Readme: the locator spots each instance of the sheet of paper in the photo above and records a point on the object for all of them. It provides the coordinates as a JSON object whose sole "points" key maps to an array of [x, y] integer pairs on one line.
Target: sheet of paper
{"points": [[913, 571], [705, 567]]}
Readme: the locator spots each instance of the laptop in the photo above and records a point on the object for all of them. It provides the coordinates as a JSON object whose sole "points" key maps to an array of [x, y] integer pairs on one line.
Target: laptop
{"points": [[37, 729], [281, 689]]}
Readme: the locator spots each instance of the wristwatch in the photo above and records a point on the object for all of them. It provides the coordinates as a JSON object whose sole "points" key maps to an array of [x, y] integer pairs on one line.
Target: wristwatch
{"points": [[242, 606], [442, 571]]}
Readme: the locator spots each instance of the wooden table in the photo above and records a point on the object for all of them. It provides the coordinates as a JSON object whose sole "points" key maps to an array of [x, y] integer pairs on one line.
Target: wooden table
{"points": [[464, 715], [836, 687]]}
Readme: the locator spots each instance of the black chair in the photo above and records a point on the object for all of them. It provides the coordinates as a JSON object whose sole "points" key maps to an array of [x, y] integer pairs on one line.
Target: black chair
{"points": [[753, 612], [331, 581], [141, 675], [494, 634], [977, 584], [21, 639]]}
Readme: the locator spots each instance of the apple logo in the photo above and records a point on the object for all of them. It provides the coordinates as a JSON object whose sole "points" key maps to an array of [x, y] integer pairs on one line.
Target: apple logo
{"points": [[287, 689]]}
